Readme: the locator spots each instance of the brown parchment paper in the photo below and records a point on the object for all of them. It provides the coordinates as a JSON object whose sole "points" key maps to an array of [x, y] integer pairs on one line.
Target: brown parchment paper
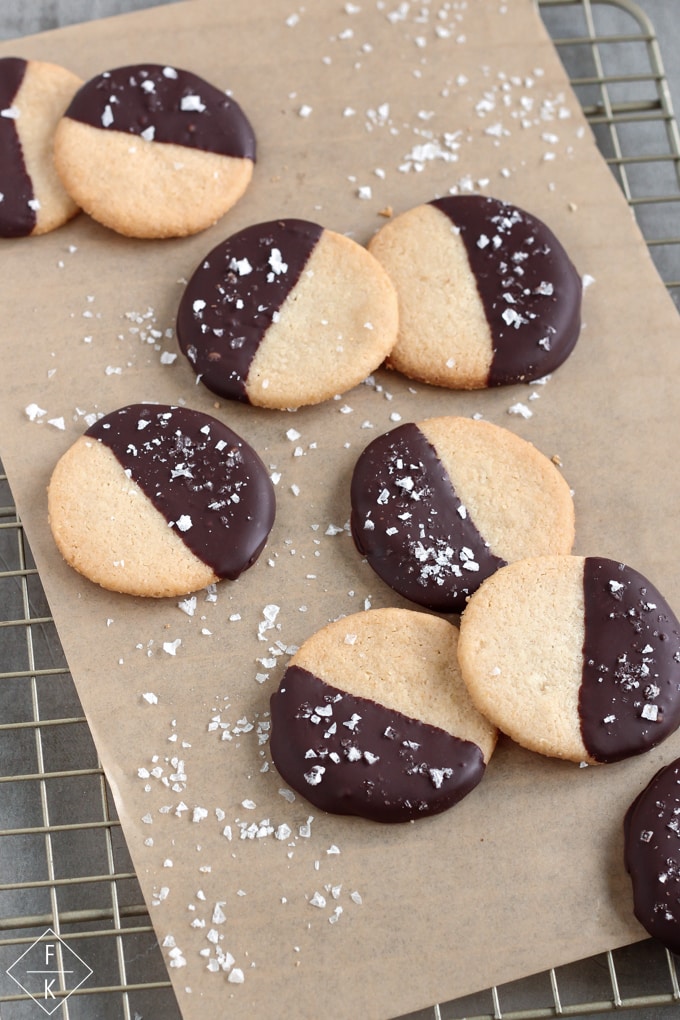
{"points": [[357, 108]]}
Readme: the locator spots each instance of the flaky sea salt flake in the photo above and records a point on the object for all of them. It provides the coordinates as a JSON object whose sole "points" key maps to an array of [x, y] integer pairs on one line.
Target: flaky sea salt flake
{"points": [[520, 409], [33, 412], [192, 104]]}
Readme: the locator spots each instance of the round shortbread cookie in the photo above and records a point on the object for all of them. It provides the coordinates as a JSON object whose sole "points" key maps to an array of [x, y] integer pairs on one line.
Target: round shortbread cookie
{"points": [[372, 718], [286, 313], [157, 500], [33, 97], [652, 855], [487, 294], [153, 151], [439, 505], [575, 657]]}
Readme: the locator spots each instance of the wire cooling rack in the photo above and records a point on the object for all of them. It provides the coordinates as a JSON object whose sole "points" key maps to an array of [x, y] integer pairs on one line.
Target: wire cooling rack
{"points": [[64, 865]]}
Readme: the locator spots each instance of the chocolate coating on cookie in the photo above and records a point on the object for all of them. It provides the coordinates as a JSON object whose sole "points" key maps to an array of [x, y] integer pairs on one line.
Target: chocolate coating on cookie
{"points": [[235, 295], [652, 855], [207, 482], [629, 700], [530, 290], [349, 755], [17, 205], [412, 527], [165, 104]]}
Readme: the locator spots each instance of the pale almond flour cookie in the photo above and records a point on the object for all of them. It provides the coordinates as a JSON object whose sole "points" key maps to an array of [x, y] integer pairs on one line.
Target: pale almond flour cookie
{"points": [[153, 151], [157, 501], [33, 97], [286, 313], [372, 718], [439, 505], [574, 657], [487, 294]]}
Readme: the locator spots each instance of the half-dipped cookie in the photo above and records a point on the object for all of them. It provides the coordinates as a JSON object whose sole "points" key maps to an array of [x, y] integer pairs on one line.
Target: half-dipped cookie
{"points": [[286, 313], [439, 505], [487, 293], [33, 97], [575, 657], [371, 718], [158, 500], [154, 151], [652, 855]]}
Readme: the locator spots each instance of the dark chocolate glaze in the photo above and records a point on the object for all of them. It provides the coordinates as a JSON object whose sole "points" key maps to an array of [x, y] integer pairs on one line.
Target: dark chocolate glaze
{"points": [[652, 855], [206, 481], [529, 288], [629, 700], [17, 216], [149, 97], [410, 525], [351, 756], [234, 296]]}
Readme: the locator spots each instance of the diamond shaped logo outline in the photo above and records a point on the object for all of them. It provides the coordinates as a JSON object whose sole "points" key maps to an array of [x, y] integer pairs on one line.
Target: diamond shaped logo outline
{"points": [[51, 936]]}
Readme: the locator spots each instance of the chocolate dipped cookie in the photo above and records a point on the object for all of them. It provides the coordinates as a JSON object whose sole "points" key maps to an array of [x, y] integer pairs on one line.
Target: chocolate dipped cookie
{"points": [[156, 500], [371, 718], [652, 855], [33, 97], [154, 151], [439, 505], [286, 313], [487, 293], [574, 657]]}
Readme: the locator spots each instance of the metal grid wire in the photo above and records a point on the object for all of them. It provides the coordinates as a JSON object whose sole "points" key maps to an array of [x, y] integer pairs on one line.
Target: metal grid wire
{"points": [[64, 865]]}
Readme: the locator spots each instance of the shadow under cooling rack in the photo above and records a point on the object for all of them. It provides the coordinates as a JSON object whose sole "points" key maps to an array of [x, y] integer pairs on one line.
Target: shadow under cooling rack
{"points": [[64, 865]]}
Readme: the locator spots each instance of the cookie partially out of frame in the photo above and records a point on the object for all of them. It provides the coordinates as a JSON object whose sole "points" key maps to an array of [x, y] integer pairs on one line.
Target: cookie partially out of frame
{"points": [[652, 855], [153, 151], [33, 97], [371, 718], [286, 313], [487, 294], [155, 500], [575, 657], [439, 505]]}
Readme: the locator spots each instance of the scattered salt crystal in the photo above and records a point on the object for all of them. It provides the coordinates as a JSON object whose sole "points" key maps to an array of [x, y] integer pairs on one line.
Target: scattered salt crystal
{"points": [[192, 104], [171, 646], [219, 917], [520, 409], [34, 412]]}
